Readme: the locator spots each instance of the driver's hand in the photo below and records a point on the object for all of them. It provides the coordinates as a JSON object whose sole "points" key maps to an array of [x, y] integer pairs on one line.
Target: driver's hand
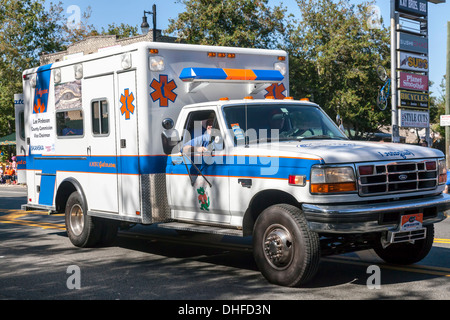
{"points": [[202, 149]]}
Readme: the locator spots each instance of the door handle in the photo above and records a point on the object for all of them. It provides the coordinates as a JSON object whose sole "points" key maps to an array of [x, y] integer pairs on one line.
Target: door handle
{"points": [[245, 183]]}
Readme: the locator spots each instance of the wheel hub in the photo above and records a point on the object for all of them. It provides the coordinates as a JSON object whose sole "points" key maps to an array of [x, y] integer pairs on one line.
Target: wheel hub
{"points": [[76, 219], [278, 246]]}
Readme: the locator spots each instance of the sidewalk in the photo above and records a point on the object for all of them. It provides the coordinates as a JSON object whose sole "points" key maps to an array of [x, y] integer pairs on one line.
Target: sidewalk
{"points": [[15, 186]]}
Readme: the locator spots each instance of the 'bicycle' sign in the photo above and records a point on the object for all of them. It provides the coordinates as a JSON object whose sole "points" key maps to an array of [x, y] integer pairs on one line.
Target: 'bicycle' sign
{"points": [[413, 99]]}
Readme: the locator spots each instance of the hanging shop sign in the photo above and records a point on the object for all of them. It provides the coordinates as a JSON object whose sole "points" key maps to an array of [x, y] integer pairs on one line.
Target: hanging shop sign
{"points": [[409, 42], [413, 7], [413, 99], [414, 119], [412, 81], [412, 62]]}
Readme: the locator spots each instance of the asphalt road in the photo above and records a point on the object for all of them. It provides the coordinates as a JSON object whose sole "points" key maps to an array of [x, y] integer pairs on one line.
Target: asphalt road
{"points": [[37, 261]]}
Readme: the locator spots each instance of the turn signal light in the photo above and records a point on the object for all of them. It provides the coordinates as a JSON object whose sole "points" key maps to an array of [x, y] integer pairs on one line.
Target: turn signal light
{"points": [[333, 187]]}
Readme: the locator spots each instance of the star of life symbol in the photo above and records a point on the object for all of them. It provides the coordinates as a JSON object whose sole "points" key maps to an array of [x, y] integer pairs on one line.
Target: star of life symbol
{"points": [[127, 107], [163, 90], [276, 90]]}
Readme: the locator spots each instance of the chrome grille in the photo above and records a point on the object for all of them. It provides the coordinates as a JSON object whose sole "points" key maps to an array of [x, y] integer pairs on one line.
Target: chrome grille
{"points": [[397, 177]]}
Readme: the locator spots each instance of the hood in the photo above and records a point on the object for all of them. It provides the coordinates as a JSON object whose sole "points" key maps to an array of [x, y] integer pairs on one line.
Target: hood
{"points": [[345, 151]]}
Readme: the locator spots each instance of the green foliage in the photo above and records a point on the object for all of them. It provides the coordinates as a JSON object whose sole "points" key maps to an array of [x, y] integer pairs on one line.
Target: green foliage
{"points": [[333, 60], [240, 23], [122, 30], [26, 30]]}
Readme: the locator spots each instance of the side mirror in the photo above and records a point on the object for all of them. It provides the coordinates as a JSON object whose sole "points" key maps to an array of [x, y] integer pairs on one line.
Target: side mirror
{"points": [[170, 137]]}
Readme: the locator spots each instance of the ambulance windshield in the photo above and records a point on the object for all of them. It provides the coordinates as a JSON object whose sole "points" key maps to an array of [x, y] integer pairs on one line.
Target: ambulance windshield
{"points": [[271, 122]]}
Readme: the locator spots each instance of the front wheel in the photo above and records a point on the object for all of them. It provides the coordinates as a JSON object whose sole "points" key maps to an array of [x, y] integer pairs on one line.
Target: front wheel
{"points": [[405, 252], [382, 100], [286, 251]]}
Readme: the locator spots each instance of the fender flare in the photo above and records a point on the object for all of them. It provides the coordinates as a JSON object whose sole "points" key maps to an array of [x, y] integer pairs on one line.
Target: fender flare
{"points": [[261, 201], [65, 189]]}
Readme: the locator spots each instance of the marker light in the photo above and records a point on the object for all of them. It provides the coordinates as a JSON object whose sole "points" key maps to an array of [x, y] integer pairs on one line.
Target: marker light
{"points": [[78, 70], [332, 179], [154, 51], [296, 180], [442, 172]]}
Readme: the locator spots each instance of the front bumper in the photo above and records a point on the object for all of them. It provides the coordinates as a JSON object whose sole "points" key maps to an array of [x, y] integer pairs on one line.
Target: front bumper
{"points": [[374, 217]]}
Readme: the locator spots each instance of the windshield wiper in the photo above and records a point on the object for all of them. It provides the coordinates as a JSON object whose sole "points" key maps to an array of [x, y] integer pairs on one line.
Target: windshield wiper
{"points": [[321, 137]]}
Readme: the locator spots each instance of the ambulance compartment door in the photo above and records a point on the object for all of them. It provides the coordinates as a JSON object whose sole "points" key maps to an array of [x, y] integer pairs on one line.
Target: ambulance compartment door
{"points": [[128, 145], [101, 148]]}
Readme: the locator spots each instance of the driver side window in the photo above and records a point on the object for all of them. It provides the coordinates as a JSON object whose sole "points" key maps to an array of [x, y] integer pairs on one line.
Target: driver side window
{"points": [[201, 132]]}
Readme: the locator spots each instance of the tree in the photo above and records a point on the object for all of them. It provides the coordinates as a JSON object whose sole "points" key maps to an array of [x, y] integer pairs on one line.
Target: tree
{"points": [[26, 30], [437, 108], [240, 23], [333, 56], [122, 30]]}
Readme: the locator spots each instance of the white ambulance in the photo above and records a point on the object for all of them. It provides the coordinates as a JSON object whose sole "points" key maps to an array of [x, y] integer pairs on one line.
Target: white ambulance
{"points": [[207, 139]]}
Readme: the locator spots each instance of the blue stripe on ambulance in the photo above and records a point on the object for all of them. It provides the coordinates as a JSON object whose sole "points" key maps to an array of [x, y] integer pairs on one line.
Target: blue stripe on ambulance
{"points": [[234, 166]]}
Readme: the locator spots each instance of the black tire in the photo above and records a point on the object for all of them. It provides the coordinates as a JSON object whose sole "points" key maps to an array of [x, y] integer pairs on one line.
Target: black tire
{"points": [[405, 252], [82, 230], [382, 100], [283, 227]]}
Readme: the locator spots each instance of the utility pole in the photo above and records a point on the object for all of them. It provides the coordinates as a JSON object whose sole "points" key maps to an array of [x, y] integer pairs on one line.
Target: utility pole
{"points": [[447, 96], [394, 112]]}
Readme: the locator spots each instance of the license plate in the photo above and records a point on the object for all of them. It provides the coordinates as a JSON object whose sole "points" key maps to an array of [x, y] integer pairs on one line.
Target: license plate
{"points": [[411, 222]]}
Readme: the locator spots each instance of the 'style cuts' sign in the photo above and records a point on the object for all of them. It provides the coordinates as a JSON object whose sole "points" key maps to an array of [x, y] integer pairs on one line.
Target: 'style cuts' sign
{"points": [[411, 81], [414, 119]]}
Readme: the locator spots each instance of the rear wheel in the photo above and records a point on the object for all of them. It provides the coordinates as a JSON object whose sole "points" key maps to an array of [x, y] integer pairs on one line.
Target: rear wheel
{"points": [[82, 230], [286, 252], [405, 252]]}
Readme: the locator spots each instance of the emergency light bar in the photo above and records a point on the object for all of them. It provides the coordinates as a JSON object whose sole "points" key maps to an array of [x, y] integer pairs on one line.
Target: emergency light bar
{"points": [[223, 74]]}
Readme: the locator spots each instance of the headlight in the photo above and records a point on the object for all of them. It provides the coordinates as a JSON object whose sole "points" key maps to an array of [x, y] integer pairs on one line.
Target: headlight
{"points": [[442, 171], [332, 179]]}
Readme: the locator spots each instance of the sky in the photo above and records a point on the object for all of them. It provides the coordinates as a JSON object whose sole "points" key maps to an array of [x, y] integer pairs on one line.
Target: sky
{"points": [[130, 12]]}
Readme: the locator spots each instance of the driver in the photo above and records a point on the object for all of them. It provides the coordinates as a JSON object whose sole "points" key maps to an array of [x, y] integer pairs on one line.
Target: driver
{"points": [[200, 143]]}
